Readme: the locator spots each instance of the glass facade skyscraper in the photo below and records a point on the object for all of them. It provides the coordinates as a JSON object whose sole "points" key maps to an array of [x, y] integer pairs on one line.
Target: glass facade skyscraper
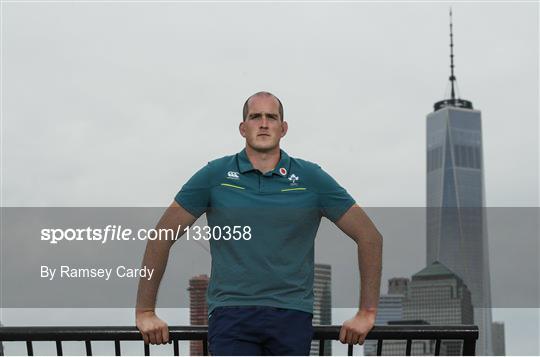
{"points": [[456, 222], [456, 227]]}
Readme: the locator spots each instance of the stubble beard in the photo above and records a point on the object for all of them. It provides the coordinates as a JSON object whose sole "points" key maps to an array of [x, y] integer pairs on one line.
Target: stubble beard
{"points": [[263, 148]]}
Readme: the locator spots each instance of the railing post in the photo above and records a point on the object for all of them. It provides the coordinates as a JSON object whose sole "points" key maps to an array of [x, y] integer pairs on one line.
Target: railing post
{"points": [[88, 346], [379, 347], [469, 347], [29, 348], [146, 349], [205, 347], [321, 347]]}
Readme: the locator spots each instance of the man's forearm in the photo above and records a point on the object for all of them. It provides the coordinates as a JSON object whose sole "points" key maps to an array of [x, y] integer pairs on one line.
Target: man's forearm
{"points": [[357, 225], [157, 254], [155, 257], [370, 265]]}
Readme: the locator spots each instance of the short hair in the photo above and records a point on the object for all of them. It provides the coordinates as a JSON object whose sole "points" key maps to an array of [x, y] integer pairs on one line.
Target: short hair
{"points": [[246, 109]]}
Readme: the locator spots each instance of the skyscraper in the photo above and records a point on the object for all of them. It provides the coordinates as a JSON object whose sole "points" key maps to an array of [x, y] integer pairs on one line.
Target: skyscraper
{"points": [[322, 304], [198, 308], [456, 227]]}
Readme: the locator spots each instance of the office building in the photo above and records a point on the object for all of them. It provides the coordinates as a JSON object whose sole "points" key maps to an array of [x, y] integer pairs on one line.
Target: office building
{"points": [[439, 297], [456, 226]]}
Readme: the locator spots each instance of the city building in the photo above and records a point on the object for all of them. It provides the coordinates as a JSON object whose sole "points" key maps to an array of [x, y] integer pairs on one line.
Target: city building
{"points": [[390, 309], [435, 295], [440, 297], [397, 286], [322, 304], [418, 347], [456, 226], [497, 330], [198, 308]]}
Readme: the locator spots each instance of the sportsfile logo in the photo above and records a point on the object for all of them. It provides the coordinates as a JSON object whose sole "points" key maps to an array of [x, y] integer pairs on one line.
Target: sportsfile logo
{"points": [[233, 175]]}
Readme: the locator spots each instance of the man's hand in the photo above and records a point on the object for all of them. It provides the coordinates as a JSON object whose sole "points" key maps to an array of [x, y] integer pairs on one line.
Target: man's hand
{"points": [[153, 329], [354, 330]]}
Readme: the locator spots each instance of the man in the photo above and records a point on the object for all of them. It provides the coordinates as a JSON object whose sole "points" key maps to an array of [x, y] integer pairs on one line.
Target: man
{"points": [[260, 294]]}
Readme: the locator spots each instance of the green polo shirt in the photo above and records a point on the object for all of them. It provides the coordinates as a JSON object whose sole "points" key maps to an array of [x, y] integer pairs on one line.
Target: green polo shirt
{"points": [[281, 209]]}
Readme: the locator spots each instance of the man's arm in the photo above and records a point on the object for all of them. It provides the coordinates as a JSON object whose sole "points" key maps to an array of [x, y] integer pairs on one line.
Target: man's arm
{"points": [[357, 225], [153, 329]]}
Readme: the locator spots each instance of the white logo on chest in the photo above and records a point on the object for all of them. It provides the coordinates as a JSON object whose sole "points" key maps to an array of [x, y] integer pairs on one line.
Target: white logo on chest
{"points": [[293, 178], [233, 175]]}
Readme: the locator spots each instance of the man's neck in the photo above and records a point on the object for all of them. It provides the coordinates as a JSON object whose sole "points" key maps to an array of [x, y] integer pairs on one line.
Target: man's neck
{"points": [[263, 161]]}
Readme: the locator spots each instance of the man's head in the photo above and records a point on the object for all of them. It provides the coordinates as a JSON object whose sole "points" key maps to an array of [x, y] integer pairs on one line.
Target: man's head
{"points": [[263, 125]]}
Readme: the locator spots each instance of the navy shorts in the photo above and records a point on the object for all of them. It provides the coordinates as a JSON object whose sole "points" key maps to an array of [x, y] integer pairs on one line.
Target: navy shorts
{"points": [[259, 331]]}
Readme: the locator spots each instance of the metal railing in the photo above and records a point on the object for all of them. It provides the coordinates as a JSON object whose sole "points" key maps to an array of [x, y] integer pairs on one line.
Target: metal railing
{"points": [[409, 333]]}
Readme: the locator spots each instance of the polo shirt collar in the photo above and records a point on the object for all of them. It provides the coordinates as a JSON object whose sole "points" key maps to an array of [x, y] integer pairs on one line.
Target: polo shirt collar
{"points": [[244, 165]]}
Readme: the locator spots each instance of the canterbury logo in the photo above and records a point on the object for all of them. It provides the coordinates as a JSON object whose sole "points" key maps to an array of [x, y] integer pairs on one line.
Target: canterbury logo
{"points": [[233, 175]]}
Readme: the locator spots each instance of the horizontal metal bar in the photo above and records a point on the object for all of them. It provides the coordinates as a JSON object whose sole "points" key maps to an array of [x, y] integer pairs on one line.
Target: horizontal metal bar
{"points": [[324, 332], [404, 332], [93, 333], [327, 332]]}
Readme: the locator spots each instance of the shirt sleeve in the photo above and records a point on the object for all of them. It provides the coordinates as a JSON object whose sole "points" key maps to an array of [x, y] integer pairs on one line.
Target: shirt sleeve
{"points": [[334, 200], [194, 196]]}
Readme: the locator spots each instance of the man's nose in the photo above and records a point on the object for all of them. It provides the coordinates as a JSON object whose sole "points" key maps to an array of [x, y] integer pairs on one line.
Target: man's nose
{"points": [[264, 122]]}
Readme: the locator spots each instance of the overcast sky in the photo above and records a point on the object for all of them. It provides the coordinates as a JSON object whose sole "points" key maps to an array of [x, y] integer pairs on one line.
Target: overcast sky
{"points": [[118, 104]]}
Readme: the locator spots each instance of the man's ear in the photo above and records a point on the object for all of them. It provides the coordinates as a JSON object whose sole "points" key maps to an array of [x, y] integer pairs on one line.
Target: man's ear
{"points": [[241, 129], [284, 128]]}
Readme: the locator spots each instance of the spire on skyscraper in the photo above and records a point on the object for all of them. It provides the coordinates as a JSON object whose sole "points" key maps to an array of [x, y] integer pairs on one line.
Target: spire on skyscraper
{"points": [[452, 76], [453, 101]]}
